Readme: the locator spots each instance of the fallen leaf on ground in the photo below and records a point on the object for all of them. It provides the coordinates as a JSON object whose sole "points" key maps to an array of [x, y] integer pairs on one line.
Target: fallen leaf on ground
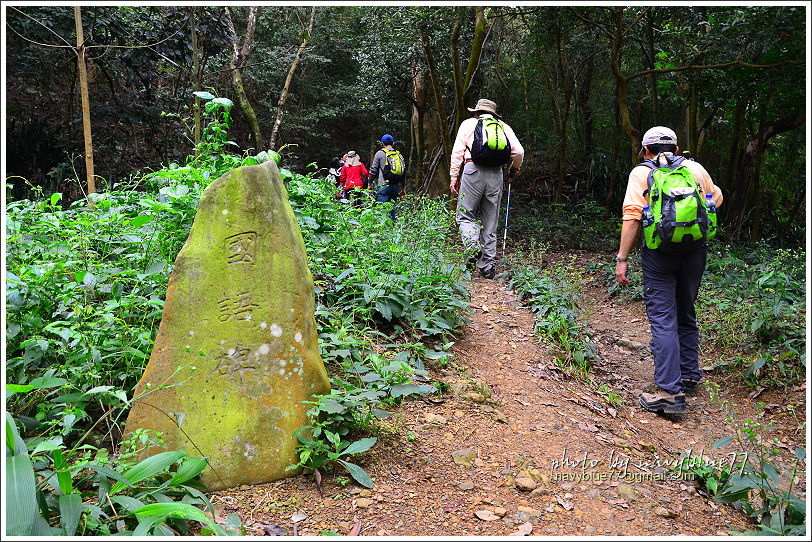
{"points": [[588, 427], [356, 529], [523, 530], [485, 308], [274, 530], [486, 515], [296, 518], [757, 393], [566, 505]]}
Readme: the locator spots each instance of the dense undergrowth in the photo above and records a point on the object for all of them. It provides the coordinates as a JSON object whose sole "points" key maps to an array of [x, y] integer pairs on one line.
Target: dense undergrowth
{"points": [[751, 311], [751, 307], [86, 286]]}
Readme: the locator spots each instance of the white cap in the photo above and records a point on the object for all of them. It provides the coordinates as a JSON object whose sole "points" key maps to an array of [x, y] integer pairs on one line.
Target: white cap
{"points": [[659, 135]]}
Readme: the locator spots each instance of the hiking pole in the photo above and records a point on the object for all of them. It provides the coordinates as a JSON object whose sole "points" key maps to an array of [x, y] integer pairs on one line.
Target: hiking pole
{"points": [[507, 213]]}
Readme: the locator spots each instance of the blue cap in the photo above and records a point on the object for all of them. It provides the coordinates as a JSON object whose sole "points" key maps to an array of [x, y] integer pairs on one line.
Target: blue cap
{"points": [[387, 139]]}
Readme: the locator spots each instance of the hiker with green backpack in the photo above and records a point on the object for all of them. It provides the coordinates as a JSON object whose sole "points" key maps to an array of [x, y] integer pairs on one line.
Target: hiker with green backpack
{"points": [[675, 200], [483, 145], [389, 169]]}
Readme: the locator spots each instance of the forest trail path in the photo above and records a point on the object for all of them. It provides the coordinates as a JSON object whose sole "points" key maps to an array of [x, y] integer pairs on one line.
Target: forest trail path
{"points": [[533, 418]]}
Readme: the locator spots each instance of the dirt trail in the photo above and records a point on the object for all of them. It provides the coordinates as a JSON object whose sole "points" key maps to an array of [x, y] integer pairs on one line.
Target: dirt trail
{"points": [[533, 418]]}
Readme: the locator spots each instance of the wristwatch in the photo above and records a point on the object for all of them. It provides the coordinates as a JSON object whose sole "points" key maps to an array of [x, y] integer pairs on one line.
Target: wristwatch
{"points": [[619, 259]]}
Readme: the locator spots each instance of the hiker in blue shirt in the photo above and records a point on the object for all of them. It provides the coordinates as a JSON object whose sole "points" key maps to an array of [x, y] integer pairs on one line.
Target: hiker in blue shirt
{"points": [[388, 169]]}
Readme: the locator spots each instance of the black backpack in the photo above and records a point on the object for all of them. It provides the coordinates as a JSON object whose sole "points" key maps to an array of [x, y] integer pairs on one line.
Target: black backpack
{"points": [[490, 146]]}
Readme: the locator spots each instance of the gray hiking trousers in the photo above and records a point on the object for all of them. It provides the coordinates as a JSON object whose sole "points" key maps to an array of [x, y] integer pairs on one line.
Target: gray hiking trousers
{"points": [[478, 210]]}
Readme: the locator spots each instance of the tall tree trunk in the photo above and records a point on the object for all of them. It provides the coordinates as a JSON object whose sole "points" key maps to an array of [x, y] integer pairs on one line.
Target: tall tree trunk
{"points": [[748, 194], [693, 117], [83, 90], [239, 56], [456, 70], [582, 102], [280, 107], [734, 154], [435, 86], [652, 51], [622, 90], [526, 99], [197, 79]]}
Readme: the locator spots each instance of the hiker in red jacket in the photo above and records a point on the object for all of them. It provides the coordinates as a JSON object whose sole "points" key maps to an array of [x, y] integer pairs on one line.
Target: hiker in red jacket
{"points": [[354, 175]]}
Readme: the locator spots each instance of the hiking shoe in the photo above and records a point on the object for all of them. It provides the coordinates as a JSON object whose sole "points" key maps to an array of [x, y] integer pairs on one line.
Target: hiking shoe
{"points": [[662, 401], [488, 273], [689, 387]]}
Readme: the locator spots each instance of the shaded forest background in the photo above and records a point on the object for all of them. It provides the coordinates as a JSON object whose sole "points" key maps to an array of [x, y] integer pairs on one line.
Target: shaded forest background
{"points": [[578, 84]]}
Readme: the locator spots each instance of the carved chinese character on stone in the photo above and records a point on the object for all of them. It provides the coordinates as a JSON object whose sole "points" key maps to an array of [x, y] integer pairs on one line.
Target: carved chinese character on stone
{"points": [[240, 310]]}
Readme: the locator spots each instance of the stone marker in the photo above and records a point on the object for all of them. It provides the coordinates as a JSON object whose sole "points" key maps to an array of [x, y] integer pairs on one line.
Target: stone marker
{"points": [[239, 309]]}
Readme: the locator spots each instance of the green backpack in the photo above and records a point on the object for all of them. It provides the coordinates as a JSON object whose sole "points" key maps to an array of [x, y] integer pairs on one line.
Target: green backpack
{"points": [[679, 219]]}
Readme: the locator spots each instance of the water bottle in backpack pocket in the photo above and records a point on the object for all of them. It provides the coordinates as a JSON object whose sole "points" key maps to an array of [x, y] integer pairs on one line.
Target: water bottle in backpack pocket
{"points": [[681, 220]]}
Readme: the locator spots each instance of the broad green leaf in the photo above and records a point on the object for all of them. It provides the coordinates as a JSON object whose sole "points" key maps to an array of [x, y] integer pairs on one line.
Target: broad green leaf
{"points": [[62, 473], [70, 508], [139, 221], [360, 446], [48, 445], [359, 474], [181, 511], [21, 501], [331, 406], [56, 196], [14, 443], [41, 383], [98, 389], [203, 95], [400, 390], [225, 102], [149, 467], [89, 279], [191, 467], [105, 471], [128, 503], [145, 524], [202, 496]]}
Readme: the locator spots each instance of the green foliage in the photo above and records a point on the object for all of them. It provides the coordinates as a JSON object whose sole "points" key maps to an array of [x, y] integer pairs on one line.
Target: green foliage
{"points": [[56, 491], [583, 225], [87, 284], [552, 293], [754, 484], [751, 305]]}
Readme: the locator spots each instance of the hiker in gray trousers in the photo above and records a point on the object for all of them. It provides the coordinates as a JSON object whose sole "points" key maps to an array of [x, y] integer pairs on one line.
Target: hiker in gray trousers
{"points": [[480, 190]]}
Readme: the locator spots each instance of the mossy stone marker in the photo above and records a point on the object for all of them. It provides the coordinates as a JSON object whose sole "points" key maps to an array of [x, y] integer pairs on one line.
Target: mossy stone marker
{"points": [[238, 331]]}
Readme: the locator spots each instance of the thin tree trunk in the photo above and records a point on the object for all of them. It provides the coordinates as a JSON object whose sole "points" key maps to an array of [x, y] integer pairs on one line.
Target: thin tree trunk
{"points": [[280, 108], [622, 85], [747, 193], [239, 55], [456, 71], [198, 82], [83, 90], [435, 86]]}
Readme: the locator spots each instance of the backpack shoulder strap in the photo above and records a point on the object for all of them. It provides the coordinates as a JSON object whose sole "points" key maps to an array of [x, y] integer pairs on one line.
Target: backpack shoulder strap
{"points": [[652, 165]]}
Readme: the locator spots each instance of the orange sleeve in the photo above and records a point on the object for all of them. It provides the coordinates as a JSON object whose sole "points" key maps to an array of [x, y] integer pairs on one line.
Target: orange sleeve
{"points": [[634, 201]]}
